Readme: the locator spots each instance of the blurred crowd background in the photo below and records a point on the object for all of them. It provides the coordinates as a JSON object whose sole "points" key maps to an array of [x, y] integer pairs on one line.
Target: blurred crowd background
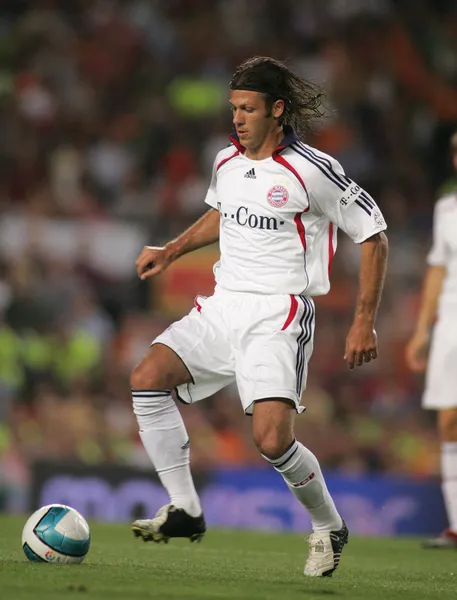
{"points": [[111, 113]]}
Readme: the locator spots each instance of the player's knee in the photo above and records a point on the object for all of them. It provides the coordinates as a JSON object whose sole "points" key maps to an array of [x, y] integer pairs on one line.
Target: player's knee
{"points": [[160, 369], [145, 376], [271, 442], [272, 428], [447, 425]]}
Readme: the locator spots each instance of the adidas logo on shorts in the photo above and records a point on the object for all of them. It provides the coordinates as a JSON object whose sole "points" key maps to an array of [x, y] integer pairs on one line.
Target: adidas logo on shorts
{"points": [[250, 174]]}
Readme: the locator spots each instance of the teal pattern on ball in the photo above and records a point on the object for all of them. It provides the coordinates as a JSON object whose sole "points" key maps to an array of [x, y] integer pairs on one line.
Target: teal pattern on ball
{"points": [[45, 531], [30, 554]]}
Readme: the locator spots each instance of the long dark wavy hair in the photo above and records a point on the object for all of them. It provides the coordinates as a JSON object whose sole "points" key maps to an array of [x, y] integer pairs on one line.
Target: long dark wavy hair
{"points": [[272, 78]]}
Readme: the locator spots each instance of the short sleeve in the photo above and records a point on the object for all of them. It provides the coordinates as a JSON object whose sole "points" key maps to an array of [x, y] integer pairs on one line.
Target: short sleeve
{"points": [[211, 194], [344, 202], [438, 255]]}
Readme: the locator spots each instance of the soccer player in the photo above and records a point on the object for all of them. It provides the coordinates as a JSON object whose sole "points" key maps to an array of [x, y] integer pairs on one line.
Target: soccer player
{"points": [[439, 299], [275, 205]]}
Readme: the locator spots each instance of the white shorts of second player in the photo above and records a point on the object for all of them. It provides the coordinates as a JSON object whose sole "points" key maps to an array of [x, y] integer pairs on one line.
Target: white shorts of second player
{"points": [[441, 377], [261, 342]]}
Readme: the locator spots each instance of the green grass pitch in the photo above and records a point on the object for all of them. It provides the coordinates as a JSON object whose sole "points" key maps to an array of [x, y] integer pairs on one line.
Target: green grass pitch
{"points": [[227, 564]]}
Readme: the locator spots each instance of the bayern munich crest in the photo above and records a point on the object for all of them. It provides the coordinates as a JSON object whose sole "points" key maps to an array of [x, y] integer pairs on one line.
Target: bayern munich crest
{"points": [[277, 196]]}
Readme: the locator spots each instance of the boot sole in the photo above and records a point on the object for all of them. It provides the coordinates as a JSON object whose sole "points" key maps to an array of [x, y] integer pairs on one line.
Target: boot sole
{"points": [[158, 537]]}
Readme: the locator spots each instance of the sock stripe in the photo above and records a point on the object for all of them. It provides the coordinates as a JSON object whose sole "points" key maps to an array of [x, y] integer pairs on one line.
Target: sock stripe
{"points": [[135, 391], [148, 393], [281, 461], [287, 459]]}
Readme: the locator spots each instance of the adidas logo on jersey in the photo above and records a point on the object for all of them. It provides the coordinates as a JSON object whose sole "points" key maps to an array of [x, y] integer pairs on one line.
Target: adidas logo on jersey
{"points": [[250, 174]]}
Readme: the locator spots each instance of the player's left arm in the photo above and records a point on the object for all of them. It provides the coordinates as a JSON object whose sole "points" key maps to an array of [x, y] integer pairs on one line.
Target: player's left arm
{"points": [[353, 210], [361, 342]]}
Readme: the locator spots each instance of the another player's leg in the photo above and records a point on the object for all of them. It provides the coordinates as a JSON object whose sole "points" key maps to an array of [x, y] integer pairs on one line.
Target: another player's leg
{"points": [[273, 434], [447, 426], [165, 439]]}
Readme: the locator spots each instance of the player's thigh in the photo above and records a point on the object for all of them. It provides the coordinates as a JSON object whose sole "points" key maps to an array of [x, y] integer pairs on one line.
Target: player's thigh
{"points": [[273, 363], [201, 341], [447, 424]]}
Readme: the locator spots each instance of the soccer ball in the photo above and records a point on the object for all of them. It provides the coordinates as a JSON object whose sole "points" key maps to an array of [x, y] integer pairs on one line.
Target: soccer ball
{"points": [[56, 534]]}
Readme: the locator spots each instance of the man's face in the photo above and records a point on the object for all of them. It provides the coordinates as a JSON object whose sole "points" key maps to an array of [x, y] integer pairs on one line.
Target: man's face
{"points": [[252, 121]]}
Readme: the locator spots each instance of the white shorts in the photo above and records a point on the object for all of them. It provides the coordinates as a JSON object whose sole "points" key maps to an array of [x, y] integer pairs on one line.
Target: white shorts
{"points": [[441, 377], [263, 343]]}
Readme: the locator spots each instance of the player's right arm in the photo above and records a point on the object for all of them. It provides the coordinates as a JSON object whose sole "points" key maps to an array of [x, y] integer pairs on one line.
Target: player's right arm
{"points": [[205, 231], [155, 259], [416, 350]]}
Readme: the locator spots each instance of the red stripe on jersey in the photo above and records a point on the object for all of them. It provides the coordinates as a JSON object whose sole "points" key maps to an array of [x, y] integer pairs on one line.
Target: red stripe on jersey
{"points": [[282, 161], [301, 228], [236, 142], [292, 312], [226, 160], [197, 304], [331, 249]]}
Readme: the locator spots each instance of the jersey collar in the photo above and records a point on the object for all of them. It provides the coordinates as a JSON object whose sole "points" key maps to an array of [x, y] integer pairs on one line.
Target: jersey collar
{"points": [[290, 137]]}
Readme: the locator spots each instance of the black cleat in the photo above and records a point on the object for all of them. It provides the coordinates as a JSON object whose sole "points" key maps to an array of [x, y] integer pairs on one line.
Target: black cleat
{"points": [[325, 549], [170, 522]]}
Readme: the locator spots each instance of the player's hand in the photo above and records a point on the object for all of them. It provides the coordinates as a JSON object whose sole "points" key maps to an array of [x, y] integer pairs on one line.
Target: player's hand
{"points": [[152, 260], [361, 344], [416, 351]]}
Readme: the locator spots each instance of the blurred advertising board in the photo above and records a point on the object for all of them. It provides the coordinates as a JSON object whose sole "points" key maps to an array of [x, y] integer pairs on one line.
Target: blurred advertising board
{"points": [[243, 498]]}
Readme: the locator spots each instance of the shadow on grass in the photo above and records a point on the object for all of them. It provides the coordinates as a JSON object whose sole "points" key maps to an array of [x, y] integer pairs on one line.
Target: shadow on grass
{"points": [[40, 565], [313, 588]]}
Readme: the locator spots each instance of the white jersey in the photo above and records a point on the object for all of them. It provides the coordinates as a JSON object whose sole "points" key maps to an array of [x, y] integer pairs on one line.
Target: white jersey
{"points": [[279, 217], [444, 253]]}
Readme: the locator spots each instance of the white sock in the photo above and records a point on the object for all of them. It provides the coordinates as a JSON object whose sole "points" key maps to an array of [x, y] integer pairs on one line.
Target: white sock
{"points": [[303, 475], [449, 484], [165, 439]]}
